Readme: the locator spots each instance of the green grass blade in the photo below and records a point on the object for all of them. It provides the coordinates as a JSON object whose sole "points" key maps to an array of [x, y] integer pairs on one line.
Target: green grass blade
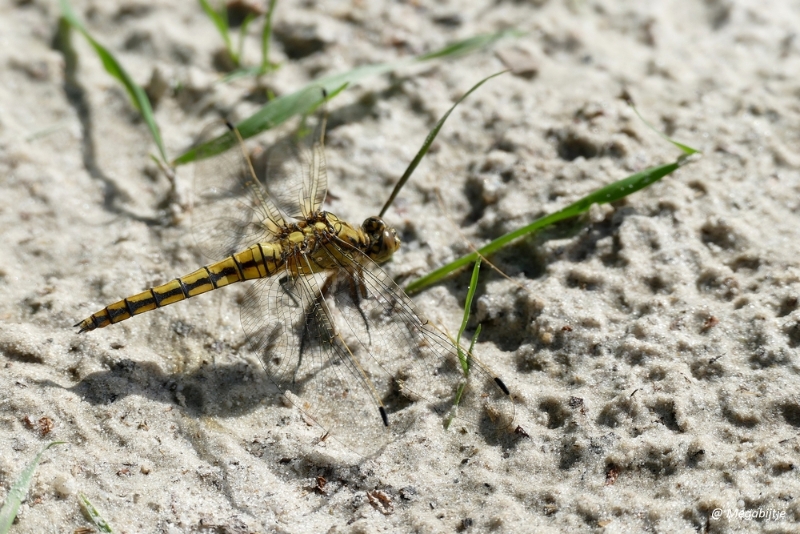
{"points": [[301, 102], [473, 284], [604, 195], [685, 148], [94, 515], [464, 359], [19, 490], [456, 49], [467, 46], [243, 33], [454, 410], [427, 144], [274, 113], [266, 35], [475, 338], [269, 116], [135, 92], [220, 20], [240, 73]]}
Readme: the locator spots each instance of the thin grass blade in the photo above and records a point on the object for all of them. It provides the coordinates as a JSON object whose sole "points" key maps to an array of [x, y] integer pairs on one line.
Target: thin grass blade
{"points": [[467, 46], [94, 515], [19, 490], [243, 34], [685, 148], [242, 72], [112, 66], [427, 144], [464, 359], [473, 284], [266, 35], [604, 195], [301, 102], [475, 338], [220, 21]]}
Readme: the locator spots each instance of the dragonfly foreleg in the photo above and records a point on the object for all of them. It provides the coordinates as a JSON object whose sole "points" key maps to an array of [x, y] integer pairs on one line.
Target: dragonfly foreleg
{"points": [[358, 292]]}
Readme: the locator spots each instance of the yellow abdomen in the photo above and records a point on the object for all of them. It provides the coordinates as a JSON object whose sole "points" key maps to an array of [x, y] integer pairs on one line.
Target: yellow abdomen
{"points": [[259, 261]]}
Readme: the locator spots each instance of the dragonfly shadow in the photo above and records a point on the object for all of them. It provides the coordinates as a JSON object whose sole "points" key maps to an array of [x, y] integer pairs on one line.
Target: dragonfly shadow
{"points": [[220, 390]]}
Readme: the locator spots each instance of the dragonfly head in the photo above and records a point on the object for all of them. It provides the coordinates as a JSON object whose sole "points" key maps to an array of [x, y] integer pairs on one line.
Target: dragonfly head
{"points": [[383, 241]]}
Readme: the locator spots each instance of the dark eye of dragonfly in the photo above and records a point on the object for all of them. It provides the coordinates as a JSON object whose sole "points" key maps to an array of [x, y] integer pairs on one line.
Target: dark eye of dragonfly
{"points": [[383, 241]]}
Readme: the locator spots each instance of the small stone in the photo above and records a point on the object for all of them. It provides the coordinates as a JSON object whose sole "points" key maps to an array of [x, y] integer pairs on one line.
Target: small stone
{"points": [[64, 486], [520, 62]]}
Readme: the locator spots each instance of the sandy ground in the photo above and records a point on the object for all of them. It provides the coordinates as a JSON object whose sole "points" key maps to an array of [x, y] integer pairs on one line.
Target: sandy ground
{"points": [[652, 347]]}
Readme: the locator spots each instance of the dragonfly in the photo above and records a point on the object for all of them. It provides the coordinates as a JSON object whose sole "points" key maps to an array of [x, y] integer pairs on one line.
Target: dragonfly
{"points": [[334, 333]]}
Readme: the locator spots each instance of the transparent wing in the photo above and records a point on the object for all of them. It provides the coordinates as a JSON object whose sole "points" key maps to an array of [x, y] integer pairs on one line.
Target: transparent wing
{"points": [[291, 330], [231, 211], [422, 362], [347, 342], [293, 172]]}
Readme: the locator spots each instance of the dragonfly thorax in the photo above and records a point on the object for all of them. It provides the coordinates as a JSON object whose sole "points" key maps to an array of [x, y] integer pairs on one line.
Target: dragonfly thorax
{"points": [[374, 238]]}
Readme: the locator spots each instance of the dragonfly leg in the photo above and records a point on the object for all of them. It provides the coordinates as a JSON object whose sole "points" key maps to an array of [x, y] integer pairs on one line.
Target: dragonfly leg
{"points": [[285, 285], [358, 292]]}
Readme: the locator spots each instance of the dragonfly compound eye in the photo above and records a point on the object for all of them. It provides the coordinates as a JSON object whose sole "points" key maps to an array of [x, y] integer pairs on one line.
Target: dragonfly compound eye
{"points": [[383, 241]]}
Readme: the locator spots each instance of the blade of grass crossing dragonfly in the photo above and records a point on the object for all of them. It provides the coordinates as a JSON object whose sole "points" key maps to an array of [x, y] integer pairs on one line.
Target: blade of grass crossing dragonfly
{"points": [[114, 68], [427, 144], [19, 490]]}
